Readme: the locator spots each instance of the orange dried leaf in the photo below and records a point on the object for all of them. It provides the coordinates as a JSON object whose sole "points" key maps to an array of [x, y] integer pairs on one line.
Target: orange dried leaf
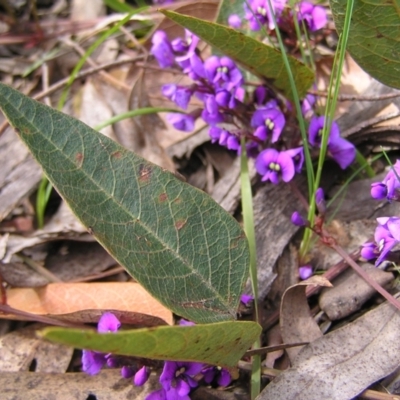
{"points": [[84, 302]]}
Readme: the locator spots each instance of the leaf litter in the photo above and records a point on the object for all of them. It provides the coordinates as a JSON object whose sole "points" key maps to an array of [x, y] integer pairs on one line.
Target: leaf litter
{"points": [[338, 365]]}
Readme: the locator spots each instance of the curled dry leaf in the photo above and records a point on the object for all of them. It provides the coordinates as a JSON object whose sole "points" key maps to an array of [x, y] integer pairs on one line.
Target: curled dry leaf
{"points": [[341, 364], [84, 302], [297, 324]]}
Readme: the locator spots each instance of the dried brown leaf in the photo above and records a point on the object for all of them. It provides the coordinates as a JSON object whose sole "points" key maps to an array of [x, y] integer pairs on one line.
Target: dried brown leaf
{"points": [[297, 324], [85, 301], [341, 364]]}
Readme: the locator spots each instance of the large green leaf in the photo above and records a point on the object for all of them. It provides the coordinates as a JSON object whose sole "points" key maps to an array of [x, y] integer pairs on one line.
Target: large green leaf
{"points": [[256, 57], [174, 239], [374, 40], [222, 343]]}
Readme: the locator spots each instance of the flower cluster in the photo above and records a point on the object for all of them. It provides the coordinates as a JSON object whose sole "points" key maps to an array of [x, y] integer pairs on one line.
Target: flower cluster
{"points": [[259, 117], [387, 233], [93, 361], [177, 378]]}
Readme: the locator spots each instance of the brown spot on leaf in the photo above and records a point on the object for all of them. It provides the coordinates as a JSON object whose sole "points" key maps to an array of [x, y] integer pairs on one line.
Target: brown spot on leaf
{"points": [[116, 154], [180, 224], [26, 131], [162, 197], [79, 158], [144, 173]]}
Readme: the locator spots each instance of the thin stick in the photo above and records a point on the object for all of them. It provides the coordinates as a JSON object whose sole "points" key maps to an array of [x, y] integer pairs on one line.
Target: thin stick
{"points": [[365, 276], [82, 74]]}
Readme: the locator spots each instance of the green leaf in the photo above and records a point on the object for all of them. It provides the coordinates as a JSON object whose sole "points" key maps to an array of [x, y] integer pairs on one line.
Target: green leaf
{"points": [[174, 239], [256, 57], [222, 343], [374, 39]]}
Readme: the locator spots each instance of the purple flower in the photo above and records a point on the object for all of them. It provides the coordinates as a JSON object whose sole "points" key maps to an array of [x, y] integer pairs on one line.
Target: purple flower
{"points": [[387, 236], [261, 13], [234, 21], [268, 121], [217, 374], [178, 377], [297, 155], [141, 376], [246, 299], [379, 190], [305, 272], [341, 150], [211, 113], [273, 165], [184, 322], [369, 251], [307, 105], [314, 16], [224, 138], [179, 94], [182, 122], [186, 45], [223, 72], [390, 186], [298, 220], [93, 361], [162, 49]]}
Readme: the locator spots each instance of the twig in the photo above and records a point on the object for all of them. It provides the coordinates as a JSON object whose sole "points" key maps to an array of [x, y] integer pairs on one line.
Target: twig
{"points": [[357, 97], [106, 76], [365, 276], [39, 269], [82, 74]]}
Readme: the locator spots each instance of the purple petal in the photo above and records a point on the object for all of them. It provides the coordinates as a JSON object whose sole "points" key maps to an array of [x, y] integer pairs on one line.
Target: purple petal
{"points": [[108, 323], [157, 395], [182, 122], [246, 299], [388, 245], [234, 21], [342, 151], [192, 368], [287, 166], [298, 220], [184, 322], [378, 190], [224, 378], [182, 387], [127, 372], [369, 251], [162, 50], [394, 228], [315, 130], [168, 374], [261, 133], [319, 18], [264, 159], [92, 362], [305, 272], [141, 376]]}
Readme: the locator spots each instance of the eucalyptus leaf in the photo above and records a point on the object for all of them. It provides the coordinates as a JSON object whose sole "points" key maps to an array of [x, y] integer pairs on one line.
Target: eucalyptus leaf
{"points": [[258, 58], [373, 40], [222, 343], [172, 238]]}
